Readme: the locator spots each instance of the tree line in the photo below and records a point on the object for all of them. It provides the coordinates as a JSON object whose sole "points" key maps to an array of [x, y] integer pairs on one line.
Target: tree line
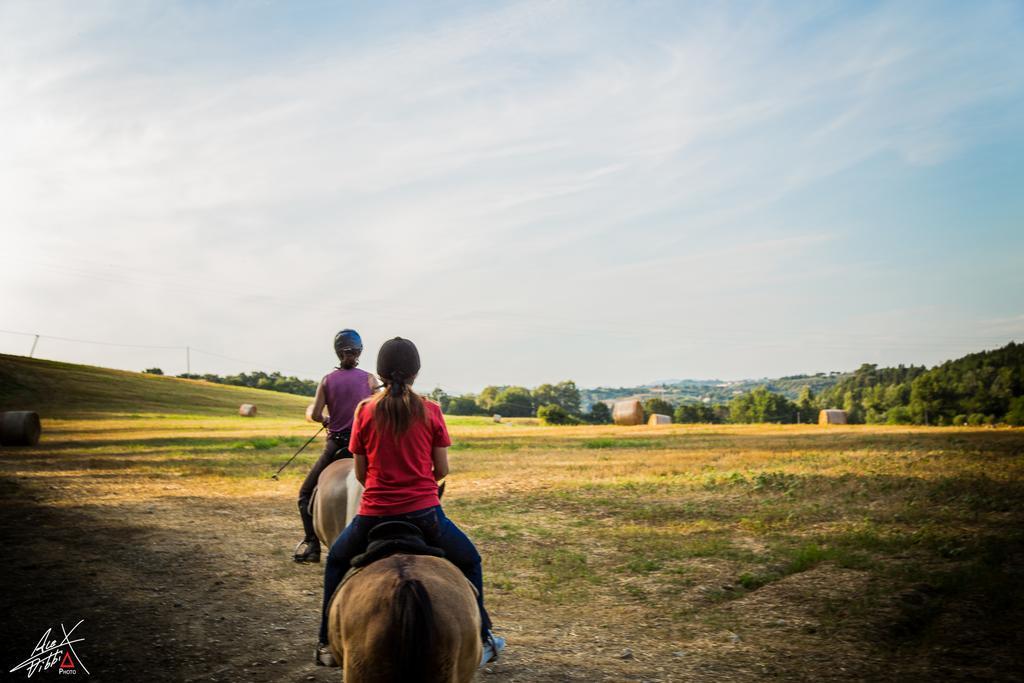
{"points": [[980, 388], [258, 379], [553, 403]]}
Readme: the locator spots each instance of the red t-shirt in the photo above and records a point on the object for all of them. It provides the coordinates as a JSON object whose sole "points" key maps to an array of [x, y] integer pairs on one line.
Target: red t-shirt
{"points": [[400, 472]]}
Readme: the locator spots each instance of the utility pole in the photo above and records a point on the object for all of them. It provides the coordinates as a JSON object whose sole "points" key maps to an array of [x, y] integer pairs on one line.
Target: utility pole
{"points": [[188, 361], [34, 342]]}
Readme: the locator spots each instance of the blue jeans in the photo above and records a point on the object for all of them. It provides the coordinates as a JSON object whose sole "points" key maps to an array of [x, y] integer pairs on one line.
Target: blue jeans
{"points": [[438, 530]]}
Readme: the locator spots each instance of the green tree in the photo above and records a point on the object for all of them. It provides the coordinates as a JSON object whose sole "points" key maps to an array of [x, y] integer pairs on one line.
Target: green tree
{"points": [[930, 397], [513, 402], [564, 394], [545, 394], [691, 413], [806, 409], [657, 406], [851, 405], [686, 413], [438, 395], [1015, 416], [153, 371], [554, 414], [761, 405], [600, 414], [487, 397], [261, 380], [741, 409], [567, 395], [900, 415], [463, 405]]}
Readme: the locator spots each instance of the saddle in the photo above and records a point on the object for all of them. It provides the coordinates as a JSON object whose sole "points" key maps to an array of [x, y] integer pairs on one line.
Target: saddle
{"points": [[390, 538]]}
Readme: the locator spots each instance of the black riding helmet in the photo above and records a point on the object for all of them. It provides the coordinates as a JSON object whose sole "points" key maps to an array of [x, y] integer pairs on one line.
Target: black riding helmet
{"points": [[347, 342], [398, 361]]}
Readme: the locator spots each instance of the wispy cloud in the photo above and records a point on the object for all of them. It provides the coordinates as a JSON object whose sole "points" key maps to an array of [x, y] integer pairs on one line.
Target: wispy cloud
{"points": [[519, 160]]}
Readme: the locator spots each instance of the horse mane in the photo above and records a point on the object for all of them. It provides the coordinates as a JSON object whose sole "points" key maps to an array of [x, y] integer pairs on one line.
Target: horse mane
{"points": [[412, 625]]}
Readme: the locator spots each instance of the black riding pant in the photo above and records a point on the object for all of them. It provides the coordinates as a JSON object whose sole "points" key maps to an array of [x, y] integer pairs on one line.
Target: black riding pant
{"points": [[336, 448]]}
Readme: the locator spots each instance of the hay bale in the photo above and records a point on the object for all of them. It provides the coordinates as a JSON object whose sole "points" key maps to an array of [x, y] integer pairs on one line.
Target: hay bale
{"points": [[832, 416], [19, 428], [247, 410], [628, 413], [659, 419], [497, 418]]}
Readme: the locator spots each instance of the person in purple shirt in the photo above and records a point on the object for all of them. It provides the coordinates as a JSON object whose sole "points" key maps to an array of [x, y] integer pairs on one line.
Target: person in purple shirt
{"points": [[340, 391]]}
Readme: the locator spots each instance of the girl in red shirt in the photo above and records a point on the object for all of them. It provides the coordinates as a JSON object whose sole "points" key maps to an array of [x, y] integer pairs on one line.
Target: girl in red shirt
{"points": [[400, 444]]}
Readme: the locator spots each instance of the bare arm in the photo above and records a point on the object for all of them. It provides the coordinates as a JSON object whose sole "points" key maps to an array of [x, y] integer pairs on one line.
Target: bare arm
{"points": [[440, 455], [319, 402], [360, 463], [374, 384]]}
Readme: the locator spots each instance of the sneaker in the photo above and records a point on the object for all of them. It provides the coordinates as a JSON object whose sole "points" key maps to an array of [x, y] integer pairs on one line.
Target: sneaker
{"points": [[307, 551], [324, 656], [493, 645]]}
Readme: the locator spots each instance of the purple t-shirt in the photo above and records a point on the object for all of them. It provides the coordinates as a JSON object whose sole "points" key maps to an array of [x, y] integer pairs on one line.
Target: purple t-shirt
{"points": [[344, 389]]}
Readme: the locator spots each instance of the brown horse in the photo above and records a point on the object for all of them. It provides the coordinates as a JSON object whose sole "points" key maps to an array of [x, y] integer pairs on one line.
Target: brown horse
{"points": [[335, 500], [406, 619]]}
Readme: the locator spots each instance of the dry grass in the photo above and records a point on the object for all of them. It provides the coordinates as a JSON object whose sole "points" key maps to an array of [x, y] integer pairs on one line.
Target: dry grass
{"points": [[727, 553]]}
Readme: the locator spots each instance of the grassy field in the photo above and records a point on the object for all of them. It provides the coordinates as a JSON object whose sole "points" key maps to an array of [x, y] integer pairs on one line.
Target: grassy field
{"points": [[623, 554], [64, 390]]}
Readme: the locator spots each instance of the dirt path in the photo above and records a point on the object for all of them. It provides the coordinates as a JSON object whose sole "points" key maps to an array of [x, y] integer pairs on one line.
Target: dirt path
{"points": [[184, 578], [185, 588]]}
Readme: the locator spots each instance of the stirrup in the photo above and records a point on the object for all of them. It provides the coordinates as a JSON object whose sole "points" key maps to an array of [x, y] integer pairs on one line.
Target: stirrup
{"points": [[307, 551], [324, 656]]}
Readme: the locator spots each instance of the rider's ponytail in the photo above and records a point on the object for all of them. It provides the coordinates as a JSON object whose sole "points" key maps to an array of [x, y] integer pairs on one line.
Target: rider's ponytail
{"points": [[397, 407]]}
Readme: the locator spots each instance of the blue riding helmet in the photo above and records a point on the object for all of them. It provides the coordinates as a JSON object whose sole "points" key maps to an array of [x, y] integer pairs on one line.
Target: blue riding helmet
{"points": [[347, 342]]}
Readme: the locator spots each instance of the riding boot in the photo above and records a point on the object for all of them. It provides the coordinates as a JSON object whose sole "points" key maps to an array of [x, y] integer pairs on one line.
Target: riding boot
{"points": [[307, 518], [324, 656], [307, 551]]}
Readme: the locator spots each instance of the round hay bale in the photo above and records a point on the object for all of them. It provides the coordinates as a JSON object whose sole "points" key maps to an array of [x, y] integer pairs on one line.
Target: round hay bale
{"points": [[19, 428], [247, 410], [832, 416], [628, 413], [497, 418], [659, 419]]}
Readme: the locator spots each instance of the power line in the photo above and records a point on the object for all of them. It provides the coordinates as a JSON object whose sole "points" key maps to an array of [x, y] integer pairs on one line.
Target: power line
{"points": [[247, 362], [97, 343], [187, 349]]}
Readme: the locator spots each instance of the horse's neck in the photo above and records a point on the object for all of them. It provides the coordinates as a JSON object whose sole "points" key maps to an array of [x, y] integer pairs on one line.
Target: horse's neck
{"points": [[353, 497]]}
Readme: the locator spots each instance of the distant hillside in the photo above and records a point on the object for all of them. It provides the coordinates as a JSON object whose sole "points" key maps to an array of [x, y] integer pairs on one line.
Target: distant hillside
{"points": [[980, 388], [713, 391], [56, 389]]}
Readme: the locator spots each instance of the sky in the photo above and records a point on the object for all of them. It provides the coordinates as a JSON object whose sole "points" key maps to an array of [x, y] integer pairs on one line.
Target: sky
{"points": [[608, 192]]}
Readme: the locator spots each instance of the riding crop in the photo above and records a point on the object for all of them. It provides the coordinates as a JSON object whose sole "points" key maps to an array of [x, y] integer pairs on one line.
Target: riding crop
{"points": [[281, 469]]}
